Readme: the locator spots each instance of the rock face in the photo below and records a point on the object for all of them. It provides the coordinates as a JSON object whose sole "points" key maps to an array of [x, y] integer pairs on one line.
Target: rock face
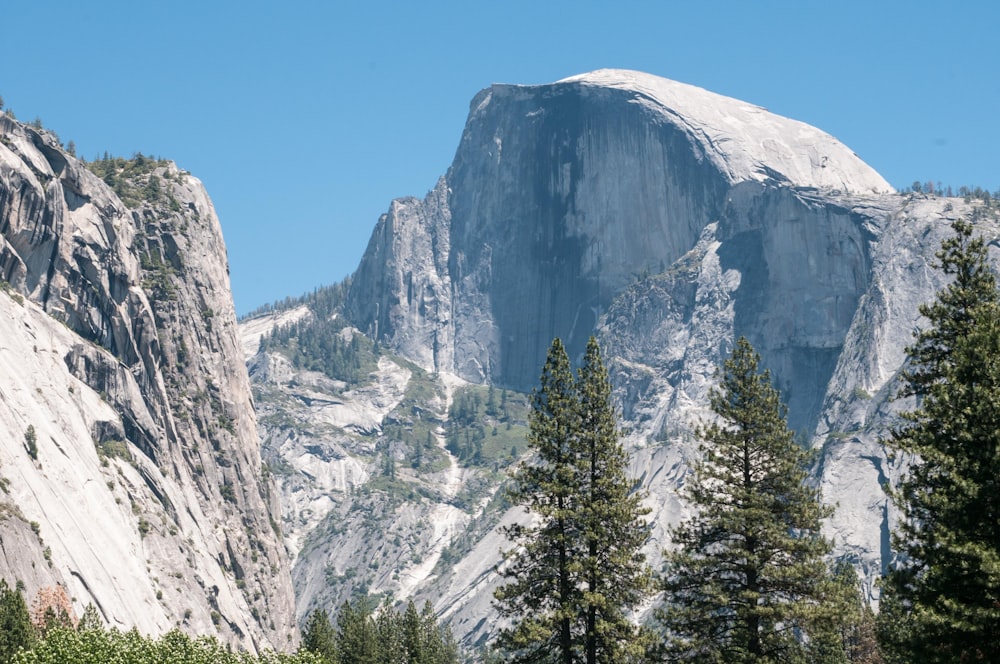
{"points": [[560, 196], [669, 221], [144, 487]]}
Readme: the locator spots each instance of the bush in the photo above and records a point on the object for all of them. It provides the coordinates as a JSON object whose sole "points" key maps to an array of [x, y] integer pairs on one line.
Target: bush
{"points": [[31, 441]]}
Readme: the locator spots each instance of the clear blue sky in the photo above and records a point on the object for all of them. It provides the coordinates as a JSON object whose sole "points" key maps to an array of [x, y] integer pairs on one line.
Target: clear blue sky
{"points": [[306, 118]]}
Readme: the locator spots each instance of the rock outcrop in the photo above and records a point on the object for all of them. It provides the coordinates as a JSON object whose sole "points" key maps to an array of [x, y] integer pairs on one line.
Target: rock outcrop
{"points": [[143, 485]]}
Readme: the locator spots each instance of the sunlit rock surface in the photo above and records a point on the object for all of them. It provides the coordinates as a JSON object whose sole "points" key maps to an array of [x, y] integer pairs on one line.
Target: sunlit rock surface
{"points": [[119, 348]]}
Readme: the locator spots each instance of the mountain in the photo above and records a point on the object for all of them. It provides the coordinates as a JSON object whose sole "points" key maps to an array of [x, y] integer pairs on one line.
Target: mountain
{"points": [[129, 456], [667, 220]]}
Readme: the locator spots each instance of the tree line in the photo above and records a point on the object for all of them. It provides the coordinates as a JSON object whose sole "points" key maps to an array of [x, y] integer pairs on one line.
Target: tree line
{"points": [[363, 636], [49, 633], [749, 576], [319, 344]]}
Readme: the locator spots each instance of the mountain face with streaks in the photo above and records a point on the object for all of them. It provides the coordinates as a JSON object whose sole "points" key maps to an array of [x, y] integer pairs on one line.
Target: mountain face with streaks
{"points": [[666, 220], [129, 454]]}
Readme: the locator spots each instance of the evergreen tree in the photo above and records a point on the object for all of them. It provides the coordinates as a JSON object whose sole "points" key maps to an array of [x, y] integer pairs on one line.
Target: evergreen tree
{"points": [[543, 594], [16, 631], [413, 633], [319, 636], [389, 636], [90, 619], [942, 600], [614, 570], [437, 644], [356, 637], [580, 568], [747, 581], [850, 638]]}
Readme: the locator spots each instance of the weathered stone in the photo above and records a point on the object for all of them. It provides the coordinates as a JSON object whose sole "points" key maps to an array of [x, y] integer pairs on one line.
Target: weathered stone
{"points": [[120, 349]]}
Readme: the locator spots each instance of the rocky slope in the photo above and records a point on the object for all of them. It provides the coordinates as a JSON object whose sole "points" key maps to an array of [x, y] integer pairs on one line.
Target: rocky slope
{"points": [[128, 441], [381, 492], [669, 221]]}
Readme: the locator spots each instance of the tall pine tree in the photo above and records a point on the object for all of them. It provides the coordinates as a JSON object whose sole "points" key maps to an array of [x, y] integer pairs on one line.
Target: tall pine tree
{"points": [[942, 600], [543, 594], [614, 570], [579, 568], [747, 580]]}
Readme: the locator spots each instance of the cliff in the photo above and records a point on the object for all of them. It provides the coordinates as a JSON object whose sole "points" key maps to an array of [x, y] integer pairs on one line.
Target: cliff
{"points": [[143, 492]]}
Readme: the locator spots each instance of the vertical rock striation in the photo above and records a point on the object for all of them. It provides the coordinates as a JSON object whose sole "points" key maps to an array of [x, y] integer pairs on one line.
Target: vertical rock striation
{"points": [[561, 195], [121, 352]]}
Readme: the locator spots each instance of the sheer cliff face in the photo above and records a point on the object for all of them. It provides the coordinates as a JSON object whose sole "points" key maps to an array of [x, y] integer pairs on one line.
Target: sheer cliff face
{"points": [[561, 195], [669, 221], [120, 352]]}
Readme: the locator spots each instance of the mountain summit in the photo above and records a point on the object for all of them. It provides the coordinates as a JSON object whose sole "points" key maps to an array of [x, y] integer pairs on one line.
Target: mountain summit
{"points": [[561, 194], [744, 142], [667, 220]]}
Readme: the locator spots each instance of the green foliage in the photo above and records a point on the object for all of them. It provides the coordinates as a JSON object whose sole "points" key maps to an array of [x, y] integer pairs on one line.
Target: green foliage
{"points": [[90, 619], [113, 449], [228, 492], [572, 577], [319, 637], [851, 638], [325, 345], [157, 273], [390, 637], [16, 631], [31, 441], [357, 642], [133, 179], [942, 600], [89, 643], [614, 572], [411, 429], [747, 580], [97, 646], [482, 430]]}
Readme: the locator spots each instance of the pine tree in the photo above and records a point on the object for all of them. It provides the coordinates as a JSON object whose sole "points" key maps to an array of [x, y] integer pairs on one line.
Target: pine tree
{"points": [[581, 567], [614, 570], [391, 647], [90, 620], [319, 637], [16, 631], [942, 600], [413, 633], [356, 638], [747, 581], [439, 645], [543, 596], [851, 637]]}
